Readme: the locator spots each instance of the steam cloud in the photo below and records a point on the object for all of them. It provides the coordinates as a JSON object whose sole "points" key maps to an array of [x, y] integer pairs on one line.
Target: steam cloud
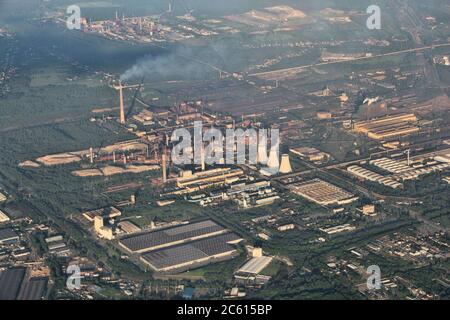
{"points": [[177, 64]]}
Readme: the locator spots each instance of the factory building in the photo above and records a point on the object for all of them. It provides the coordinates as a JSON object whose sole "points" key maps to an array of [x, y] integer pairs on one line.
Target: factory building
{"points": [[8, 236], [366, 174], [249, 188], [110, 212], [246, 195], [388, 127], [402, 171], [323, 193], [250, 273], [391, 165], [128, 227], [444, 158], [3, 217], [153, 240], [145, 117], [286, 227], [104, 221], [192, 254], [103, 230], [338, 229], [209, 178], [310, 154], [255, 265], [368, 209]]}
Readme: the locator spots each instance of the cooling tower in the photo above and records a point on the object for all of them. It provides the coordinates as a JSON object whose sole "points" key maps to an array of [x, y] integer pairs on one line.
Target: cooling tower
{"points": [[285, 166]]}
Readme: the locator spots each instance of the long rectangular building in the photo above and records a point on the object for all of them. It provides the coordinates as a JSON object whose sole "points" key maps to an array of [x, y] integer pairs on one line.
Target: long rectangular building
{"points": [[366, 174], [153, 240], [208, 178], [323, 193], [10, 282], [8, 235], [3, 217], [192, 254], [389, 127], [255, 265]]}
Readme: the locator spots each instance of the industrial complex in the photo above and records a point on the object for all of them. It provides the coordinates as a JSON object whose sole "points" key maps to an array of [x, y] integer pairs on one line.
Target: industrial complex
{"points": [[172, 150]]}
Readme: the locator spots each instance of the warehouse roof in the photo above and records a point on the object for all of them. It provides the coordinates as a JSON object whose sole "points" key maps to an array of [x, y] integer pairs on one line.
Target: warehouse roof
{"points": [[165, 237], [255, 265], [10, 281], [191, 252], [7, 234]]}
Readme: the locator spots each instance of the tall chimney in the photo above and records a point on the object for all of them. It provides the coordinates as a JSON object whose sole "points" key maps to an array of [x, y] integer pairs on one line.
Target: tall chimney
{"points": [[202, 156], [91, 155], [122, 109], [164, 166]]}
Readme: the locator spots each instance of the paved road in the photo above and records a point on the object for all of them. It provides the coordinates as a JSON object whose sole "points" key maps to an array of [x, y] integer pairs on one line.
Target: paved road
{"points": [[394, 53]]}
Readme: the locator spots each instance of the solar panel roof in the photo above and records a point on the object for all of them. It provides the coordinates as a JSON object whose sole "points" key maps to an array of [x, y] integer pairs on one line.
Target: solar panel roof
{"points": [[141, 241], [195, 250]]}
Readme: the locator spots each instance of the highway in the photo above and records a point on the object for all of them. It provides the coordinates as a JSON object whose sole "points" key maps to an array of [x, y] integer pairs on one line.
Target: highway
{"points": [[301, 68]]}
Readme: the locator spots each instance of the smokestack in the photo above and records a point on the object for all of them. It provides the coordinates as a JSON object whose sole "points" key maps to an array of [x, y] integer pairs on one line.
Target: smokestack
{"points": [[202, 156], [91, 155], [285, 166], [122, 109], [164, 166]]}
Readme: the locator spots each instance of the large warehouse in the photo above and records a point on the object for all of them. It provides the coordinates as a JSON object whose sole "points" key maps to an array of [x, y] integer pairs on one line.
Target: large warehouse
{"points": [[193, 253], [182, 247], [389, 127], [153, 240], [323, 193], [10, 281], [255, 265], [8, 236]]}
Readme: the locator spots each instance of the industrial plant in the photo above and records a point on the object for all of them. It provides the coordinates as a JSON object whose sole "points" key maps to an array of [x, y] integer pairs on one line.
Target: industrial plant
{"points": [[183, 150]]}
